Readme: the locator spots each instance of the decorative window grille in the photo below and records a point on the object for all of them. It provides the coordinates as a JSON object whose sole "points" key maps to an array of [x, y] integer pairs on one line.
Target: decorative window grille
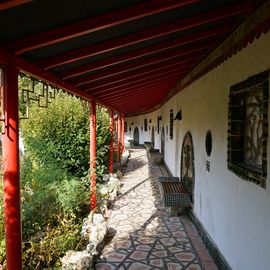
{"points": [[145, 125], [171, 124], [248, 128]]}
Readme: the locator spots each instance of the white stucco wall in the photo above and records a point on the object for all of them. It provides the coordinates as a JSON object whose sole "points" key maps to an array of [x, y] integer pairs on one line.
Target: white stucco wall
{"points": [[235, 213]]}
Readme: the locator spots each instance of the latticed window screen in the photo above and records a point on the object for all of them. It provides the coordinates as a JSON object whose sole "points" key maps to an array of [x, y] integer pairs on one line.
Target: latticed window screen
{"points": [[171, 124], [248, 128]]}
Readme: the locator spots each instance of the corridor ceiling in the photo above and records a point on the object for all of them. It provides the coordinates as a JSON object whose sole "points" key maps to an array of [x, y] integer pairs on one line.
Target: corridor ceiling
{"points": [[128, 54]]}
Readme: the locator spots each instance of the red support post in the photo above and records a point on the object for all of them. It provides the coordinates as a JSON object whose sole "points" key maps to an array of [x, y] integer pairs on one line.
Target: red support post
{"points": [[119, 139], [11, 170], [93, 202], [123, 134], [111, 142]]}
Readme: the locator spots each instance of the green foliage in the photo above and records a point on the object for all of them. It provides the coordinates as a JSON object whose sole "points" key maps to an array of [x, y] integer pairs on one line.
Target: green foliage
{"points": [[59, 132], [53, 205], [45, 252], [103, 141]]}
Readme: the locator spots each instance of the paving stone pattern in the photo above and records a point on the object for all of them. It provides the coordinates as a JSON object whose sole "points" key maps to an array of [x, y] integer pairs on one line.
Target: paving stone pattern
{"points": [[145, 236]]}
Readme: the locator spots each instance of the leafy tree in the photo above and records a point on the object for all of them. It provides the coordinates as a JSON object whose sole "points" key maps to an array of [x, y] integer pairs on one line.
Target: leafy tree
{"points": [[61, 132]]}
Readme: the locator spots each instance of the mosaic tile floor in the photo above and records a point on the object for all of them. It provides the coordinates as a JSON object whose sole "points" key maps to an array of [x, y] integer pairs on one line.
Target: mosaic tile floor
{"points": [[143, 235]]}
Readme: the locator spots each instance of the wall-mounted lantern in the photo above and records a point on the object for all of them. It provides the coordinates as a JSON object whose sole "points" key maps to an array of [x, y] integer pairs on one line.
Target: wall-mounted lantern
{"points": [[178, 116]]}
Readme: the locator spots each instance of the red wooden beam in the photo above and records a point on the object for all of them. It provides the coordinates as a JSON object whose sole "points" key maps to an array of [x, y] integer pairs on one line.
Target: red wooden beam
{"points": [[94, 24], [153, 33], [6, 4], [11, 170], [175, 56], [119, 140], [150, 50], [123, 134], [5, 58]]}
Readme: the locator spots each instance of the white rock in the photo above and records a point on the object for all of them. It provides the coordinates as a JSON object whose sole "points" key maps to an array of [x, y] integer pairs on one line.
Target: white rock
{"points": [[77, 260], [94, 231], [106, 177], [98, 218]]}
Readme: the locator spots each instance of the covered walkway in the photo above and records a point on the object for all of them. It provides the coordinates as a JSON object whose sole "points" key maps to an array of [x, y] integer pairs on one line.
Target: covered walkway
{"points": [[144, 236]]}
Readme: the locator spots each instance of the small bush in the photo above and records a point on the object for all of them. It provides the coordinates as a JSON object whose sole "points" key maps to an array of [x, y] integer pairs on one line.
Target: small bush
{"points": [[45, 252]]}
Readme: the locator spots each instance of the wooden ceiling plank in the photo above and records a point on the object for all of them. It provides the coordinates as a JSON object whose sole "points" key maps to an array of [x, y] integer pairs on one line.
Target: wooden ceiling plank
{"points": [[125, 89], [94, 24], [147, 78], [145, 63], [146, 97], [12, 3], [134, 83], [165, 86], [142, 74], [169, 55], [150, 50], [151, 33]]}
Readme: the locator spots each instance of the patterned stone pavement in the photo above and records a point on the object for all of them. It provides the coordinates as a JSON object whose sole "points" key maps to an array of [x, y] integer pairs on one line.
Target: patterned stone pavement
{"points": [[144, 236]]}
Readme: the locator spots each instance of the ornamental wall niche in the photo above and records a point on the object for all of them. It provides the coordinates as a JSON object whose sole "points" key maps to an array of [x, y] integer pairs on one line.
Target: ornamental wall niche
{"points": [[187, 165]]}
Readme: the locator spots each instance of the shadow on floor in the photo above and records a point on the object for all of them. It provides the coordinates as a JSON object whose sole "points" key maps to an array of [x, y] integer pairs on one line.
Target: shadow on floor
{"points": [[143, 235]]}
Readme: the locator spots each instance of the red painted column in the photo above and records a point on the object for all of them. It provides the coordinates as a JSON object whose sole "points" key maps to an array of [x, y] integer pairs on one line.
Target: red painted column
{"points": [[123, 134], [111, 142], [93, 200], [119, 139], [11, 170]]}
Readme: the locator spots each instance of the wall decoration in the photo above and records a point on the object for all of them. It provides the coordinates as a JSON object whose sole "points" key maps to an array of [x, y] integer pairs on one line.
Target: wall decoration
{"points": [[208, 143], [248, 128], [207, 166], [158, 123], [136, 136], [145, 125], [171, 124], [162, 141], [187, 165], [178, 116]]}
